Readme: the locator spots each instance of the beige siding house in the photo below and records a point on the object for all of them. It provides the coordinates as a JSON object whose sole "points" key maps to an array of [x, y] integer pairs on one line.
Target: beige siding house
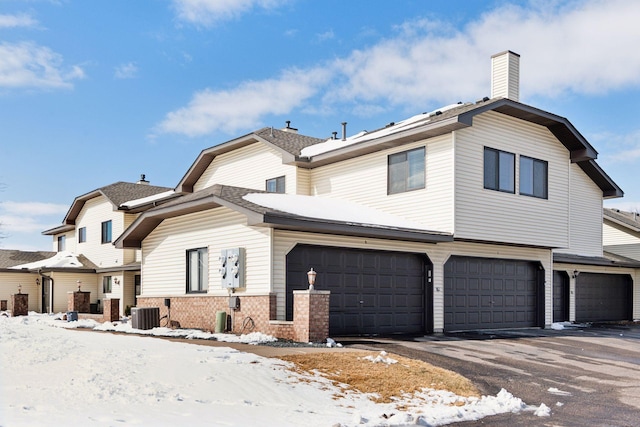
{"points": [[83, 252], [474, 216]]}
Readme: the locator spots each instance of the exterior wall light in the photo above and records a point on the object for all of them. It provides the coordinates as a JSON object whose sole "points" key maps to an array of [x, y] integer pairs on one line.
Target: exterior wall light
{"points": [[311, 276], [19, 288], [576, 273], [37, 281], [79, 285]]}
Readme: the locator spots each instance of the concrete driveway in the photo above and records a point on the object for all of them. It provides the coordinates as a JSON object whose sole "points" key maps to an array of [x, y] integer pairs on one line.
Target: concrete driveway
{"points": [[588, 376]]}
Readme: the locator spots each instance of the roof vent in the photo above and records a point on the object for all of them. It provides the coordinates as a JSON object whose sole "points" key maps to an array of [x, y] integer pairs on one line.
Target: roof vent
{"points": [[142, 181], [334, 135], [505, 75], [344, 131], [288, 128]]}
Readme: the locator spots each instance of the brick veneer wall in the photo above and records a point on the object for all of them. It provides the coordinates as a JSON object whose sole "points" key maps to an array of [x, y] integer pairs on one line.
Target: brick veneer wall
{"points": [[257, 313], [111, 310], [20, 304], [78, 301]]}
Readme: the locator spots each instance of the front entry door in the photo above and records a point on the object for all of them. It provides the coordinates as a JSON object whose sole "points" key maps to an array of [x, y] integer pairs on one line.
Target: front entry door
{"points": [[47, 292]]}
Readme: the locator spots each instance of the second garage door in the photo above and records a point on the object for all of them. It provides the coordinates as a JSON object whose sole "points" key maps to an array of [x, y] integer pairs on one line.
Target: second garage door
{"points": [[486, 293], [372, 292], [603, 297]]}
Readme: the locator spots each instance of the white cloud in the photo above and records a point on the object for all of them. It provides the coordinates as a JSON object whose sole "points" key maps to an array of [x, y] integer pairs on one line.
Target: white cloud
{"points": [[583, 47], [19, 20], [209, 12], [33, 208], [26, 64], [327, 35], [619, 148], [244, 106], [20, 221], [126, 71]]}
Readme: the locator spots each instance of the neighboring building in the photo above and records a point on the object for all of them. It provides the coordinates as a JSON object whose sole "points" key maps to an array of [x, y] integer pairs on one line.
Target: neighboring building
{"points": [[462, 218], [84, 254]]}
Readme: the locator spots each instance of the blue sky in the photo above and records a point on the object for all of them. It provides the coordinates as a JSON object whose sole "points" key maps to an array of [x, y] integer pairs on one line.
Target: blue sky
{"points": [[94, 92]]}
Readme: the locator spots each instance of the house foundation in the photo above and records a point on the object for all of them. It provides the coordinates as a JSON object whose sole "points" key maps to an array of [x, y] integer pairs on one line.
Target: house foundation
{"points": [[253, 313]]}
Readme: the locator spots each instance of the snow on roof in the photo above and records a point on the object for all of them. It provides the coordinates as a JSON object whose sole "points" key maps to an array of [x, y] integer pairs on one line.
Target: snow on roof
{"points": [[144, 200], [330, 209], [412, 122], [62, 259]]}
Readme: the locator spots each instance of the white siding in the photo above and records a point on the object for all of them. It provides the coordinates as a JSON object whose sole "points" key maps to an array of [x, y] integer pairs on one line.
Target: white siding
{"points": [[614, 234], [285, 241], [248, 167], [70, 241], [585, 220], [9, 286], [93, 213], [495, 216], [620, 240], [63, 283], [363, 180], [164, 252]]}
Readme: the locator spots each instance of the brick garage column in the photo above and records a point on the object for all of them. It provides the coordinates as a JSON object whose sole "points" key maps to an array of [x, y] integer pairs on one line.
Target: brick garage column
{"points": [[311, 315], [78, 301], [111, 309], [20, 304]]}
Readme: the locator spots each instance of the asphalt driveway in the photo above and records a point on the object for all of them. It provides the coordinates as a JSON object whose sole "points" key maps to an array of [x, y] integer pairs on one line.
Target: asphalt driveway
{"points": [[588, 376]]}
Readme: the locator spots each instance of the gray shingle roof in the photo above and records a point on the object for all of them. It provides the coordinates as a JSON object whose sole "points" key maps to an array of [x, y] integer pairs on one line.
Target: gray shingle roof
{"points": [[630, 219], [288, 141], [10, 258], [121, 192]]}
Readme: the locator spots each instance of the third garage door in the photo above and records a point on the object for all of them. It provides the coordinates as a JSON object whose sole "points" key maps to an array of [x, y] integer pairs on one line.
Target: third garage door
{"points": [[372, 292], [487, 293]]}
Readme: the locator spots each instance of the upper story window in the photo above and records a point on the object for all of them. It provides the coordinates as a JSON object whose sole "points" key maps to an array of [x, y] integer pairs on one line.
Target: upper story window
{"points": [[533, 177], [499, 170], [62, 243], [197, 270], [82, 234], [275, 185], [406, 171], [106, 232]]}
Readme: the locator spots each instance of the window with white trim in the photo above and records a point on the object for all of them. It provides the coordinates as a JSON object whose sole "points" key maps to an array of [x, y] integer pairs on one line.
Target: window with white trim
{"points": [[197, 270], [406, 171]]}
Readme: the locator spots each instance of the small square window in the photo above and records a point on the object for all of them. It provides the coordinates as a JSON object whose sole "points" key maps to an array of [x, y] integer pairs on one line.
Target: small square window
{"points": [[406, 171], [275, 185]]}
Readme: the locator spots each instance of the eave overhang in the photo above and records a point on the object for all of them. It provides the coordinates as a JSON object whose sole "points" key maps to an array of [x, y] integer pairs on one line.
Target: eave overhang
{"points": [[315, 225]]}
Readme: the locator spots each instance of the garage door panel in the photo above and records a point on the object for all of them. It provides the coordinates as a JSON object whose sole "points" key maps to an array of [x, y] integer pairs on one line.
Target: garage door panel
{"points": [[506, 296], [372, 292]]}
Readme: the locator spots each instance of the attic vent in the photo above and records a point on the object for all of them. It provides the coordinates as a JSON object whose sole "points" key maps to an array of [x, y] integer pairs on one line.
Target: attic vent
{"points": [[142, 181]]}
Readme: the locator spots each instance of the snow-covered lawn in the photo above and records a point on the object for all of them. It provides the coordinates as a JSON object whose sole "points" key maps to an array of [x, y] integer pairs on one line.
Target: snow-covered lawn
{"points": [[53, 376]]}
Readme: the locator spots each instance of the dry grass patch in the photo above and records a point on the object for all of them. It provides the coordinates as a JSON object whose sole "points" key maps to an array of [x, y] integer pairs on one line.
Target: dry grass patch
{"points": [[407, 376]]}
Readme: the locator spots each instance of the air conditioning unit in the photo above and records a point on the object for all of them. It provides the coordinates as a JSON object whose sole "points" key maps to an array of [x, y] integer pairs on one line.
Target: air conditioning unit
{"points": [[145, 317]]}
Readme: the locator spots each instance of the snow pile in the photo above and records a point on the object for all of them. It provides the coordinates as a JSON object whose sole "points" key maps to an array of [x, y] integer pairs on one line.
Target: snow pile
{"points": [[52, 376], [144, 200], [381, 358], [125, 327], [62, 259], [330, 209]]}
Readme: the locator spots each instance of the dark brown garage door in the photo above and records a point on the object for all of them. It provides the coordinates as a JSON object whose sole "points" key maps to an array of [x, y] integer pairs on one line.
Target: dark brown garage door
{"points": [[603, 297], [372, 292], [485, 293]]}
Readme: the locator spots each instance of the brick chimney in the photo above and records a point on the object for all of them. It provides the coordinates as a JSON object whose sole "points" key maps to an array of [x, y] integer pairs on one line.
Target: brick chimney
{"points": [[505, 75]]}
